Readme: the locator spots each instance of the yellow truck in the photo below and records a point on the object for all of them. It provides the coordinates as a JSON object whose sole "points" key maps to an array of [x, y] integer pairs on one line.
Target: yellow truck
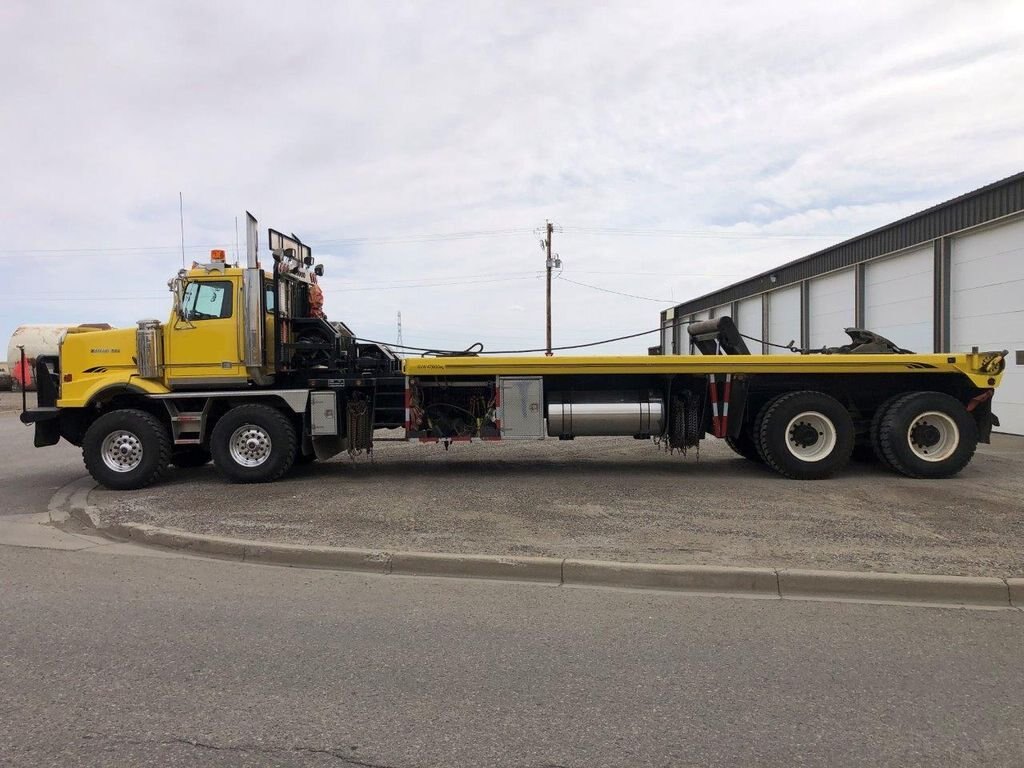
{"points": [[248, 372]]}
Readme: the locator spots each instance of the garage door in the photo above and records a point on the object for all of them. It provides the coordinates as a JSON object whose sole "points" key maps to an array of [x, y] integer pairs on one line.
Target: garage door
{"points": [[898, 298], [987, 307], [783, 318], [833, 307], [748, 320]]}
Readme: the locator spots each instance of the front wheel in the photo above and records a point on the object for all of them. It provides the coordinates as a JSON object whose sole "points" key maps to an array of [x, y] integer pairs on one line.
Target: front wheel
{"points": [[126, 449], [253, 444], [927, 434], [805, 435]]}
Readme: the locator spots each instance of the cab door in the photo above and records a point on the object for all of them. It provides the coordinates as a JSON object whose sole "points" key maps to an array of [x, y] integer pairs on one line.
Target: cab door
{"points": [[203, 346]]}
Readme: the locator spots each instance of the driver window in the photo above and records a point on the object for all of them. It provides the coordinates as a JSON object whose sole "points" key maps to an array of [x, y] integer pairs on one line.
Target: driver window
{"points": [[208, 300]]}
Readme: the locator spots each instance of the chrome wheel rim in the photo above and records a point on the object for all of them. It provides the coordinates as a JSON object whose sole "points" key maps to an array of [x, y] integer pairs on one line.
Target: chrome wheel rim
{"points": [[250, 445], [933, 436], [121, 451], [810, 436]]}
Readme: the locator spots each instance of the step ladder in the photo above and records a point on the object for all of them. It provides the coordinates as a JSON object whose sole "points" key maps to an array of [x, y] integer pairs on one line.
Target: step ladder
{"points": [[389, 402], [187, 427]]}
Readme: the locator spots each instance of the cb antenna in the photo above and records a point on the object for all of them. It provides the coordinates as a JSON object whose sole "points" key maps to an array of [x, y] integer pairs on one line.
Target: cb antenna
{"points": [[181, 219]]}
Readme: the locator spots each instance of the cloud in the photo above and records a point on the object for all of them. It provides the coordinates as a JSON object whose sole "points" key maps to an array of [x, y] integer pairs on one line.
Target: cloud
{"points": [[385, 121]]}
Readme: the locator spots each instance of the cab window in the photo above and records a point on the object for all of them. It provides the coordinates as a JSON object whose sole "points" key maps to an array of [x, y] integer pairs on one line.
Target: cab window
{"points": [[207, 300], [269, 287]]}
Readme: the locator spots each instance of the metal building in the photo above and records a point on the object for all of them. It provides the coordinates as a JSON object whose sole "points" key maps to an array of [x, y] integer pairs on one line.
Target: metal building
{"points": [[943, 280]]}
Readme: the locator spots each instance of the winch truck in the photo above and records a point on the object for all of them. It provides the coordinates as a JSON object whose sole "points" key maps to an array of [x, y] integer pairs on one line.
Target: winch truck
{"points": [[247, 371]]}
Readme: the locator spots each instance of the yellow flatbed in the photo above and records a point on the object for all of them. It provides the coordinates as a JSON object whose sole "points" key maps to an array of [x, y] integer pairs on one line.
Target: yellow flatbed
{"points": [[970, 365]]}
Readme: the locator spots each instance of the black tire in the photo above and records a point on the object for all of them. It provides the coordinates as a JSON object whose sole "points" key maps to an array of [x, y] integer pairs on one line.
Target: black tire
{"points": [[745, 446], [189, 456], [806, 435], [267, 454], [126, 449], [927, 435], [876, 424], [755, 433]]}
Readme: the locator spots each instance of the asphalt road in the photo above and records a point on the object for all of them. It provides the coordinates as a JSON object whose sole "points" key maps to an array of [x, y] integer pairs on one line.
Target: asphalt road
{"points": [[29, 476], [141, 660], [120, 656]]}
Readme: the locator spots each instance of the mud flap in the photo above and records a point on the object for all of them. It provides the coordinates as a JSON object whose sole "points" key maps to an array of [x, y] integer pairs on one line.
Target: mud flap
{"points": [[47, 433]]}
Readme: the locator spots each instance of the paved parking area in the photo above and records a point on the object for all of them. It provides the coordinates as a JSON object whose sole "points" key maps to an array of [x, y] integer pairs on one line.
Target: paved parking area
{"points": [[614, 499], [11, 401]]}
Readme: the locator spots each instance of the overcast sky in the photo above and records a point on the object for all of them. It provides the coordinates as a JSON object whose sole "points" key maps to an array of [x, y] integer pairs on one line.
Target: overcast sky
{"points": [[382, 133]]}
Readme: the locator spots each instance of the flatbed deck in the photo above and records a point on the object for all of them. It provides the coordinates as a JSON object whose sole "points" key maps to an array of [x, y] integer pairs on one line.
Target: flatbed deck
{"points": [[969, 365]]}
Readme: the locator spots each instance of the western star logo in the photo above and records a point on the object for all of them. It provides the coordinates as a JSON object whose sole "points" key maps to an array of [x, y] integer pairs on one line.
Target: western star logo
{"points": [[104, 351]]}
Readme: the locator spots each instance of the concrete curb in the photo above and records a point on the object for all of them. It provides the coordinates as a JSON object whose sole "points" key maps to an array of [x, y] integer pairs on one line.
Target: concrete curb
{"points": [[899, 587], [688, 578], [1016, 592], [704, 579], [788, 583]]}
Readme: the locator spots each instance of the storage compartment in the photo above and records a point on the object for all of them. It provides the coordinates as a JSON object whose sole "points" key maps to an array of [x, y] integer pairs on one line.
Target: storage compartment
{"points": [[323, 413], [522, 407]]}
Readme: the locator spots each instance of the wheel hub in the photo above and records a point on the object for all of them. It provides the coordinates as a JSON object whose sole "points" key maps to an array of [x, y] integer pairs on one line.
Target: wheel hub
{"points": [[933, 436], [811, 436], [250, 445], [803, 435], [121, 451], [925, 435]]}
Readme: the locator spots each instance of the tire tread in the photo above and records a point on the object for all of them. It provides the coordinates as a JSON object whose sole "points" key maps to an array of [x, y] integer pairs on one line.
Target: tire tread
{"points": [[889, 440], [94, 463]]}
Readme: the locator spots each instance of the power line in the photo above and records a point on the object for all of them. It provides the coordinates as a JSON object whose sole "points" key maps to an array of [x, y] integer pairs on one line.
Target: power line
{"points": [[420, 280], [428, 285], [712, 234], [617, 293], [441, 237], [382, 240]]}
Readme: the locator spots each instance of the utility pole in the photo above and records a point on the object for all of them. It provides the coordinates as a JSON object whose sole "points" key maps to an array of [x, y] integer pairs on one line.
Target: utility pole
{"points": [[549, 263], [398, 341]]}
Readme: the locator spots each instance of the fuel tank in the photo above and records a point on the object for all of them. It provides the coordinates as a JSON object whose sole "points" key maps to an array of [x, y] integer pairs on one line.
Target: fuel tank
{"points": [[621, 413]]}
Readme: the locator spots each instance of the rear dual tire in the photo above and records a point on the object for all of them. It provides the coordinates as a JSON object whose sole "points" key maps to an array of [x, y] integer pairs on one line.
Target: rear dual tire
{"points": [[745, 446], [924, 435], [804, 435]]}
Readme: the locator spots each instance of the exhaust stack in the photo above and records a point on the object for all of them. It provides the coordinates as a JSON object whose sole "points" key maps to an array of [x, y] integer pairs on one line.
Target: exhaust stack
{"points": [[252, 292]]}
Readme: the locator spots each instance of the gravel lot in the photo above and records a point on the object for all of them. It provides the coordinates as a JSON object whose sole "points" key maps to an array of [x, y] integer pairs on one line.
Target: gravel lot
{"points": [[614, 499]]}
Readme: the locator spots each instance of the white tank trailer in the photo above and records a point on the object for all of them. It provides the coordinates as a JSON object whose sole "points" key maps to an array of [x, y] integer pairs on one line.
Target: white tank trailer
{"points": [[38, 339]]}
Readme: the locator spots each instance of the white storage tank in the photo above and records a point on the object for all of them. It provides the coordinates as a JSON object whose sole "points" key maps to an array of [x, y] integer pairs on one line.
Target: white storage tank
{"points": [[38, 339]]}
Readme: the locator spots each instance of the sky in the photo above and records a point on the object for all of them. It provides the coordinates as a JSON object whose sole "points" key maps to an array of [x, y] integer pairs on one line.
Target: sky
{"points": [[420, 147]]}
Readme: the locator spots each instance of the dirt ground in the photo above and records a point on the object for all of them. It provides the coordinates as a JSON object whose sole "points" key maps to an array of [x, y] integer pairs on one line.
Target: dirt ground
{"points": [[614, 499]]}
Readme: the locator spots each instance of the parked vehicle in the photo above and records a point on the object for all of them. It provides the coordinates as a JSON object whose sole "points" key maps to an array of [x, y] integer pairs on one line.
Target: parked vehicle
{"points": [[248, 371], [38, 340]]}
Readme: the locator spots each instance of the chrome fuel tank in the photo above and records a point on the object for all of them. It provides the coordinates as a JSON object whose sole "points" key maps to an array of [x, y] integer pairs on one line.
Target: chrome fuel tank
{"points": [[587, 414]]}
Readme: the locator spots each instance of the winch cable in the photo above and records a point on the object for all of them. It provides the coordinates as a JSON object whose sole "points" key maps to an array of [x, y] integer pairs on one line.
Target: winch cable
{"points": [[792, 347], [469, 350]]}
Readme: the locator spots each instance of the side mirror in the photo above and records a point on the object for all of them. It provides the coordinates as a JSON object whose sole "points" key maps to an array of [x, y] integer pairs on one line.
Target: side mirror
{"points": [[177, 285]]}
